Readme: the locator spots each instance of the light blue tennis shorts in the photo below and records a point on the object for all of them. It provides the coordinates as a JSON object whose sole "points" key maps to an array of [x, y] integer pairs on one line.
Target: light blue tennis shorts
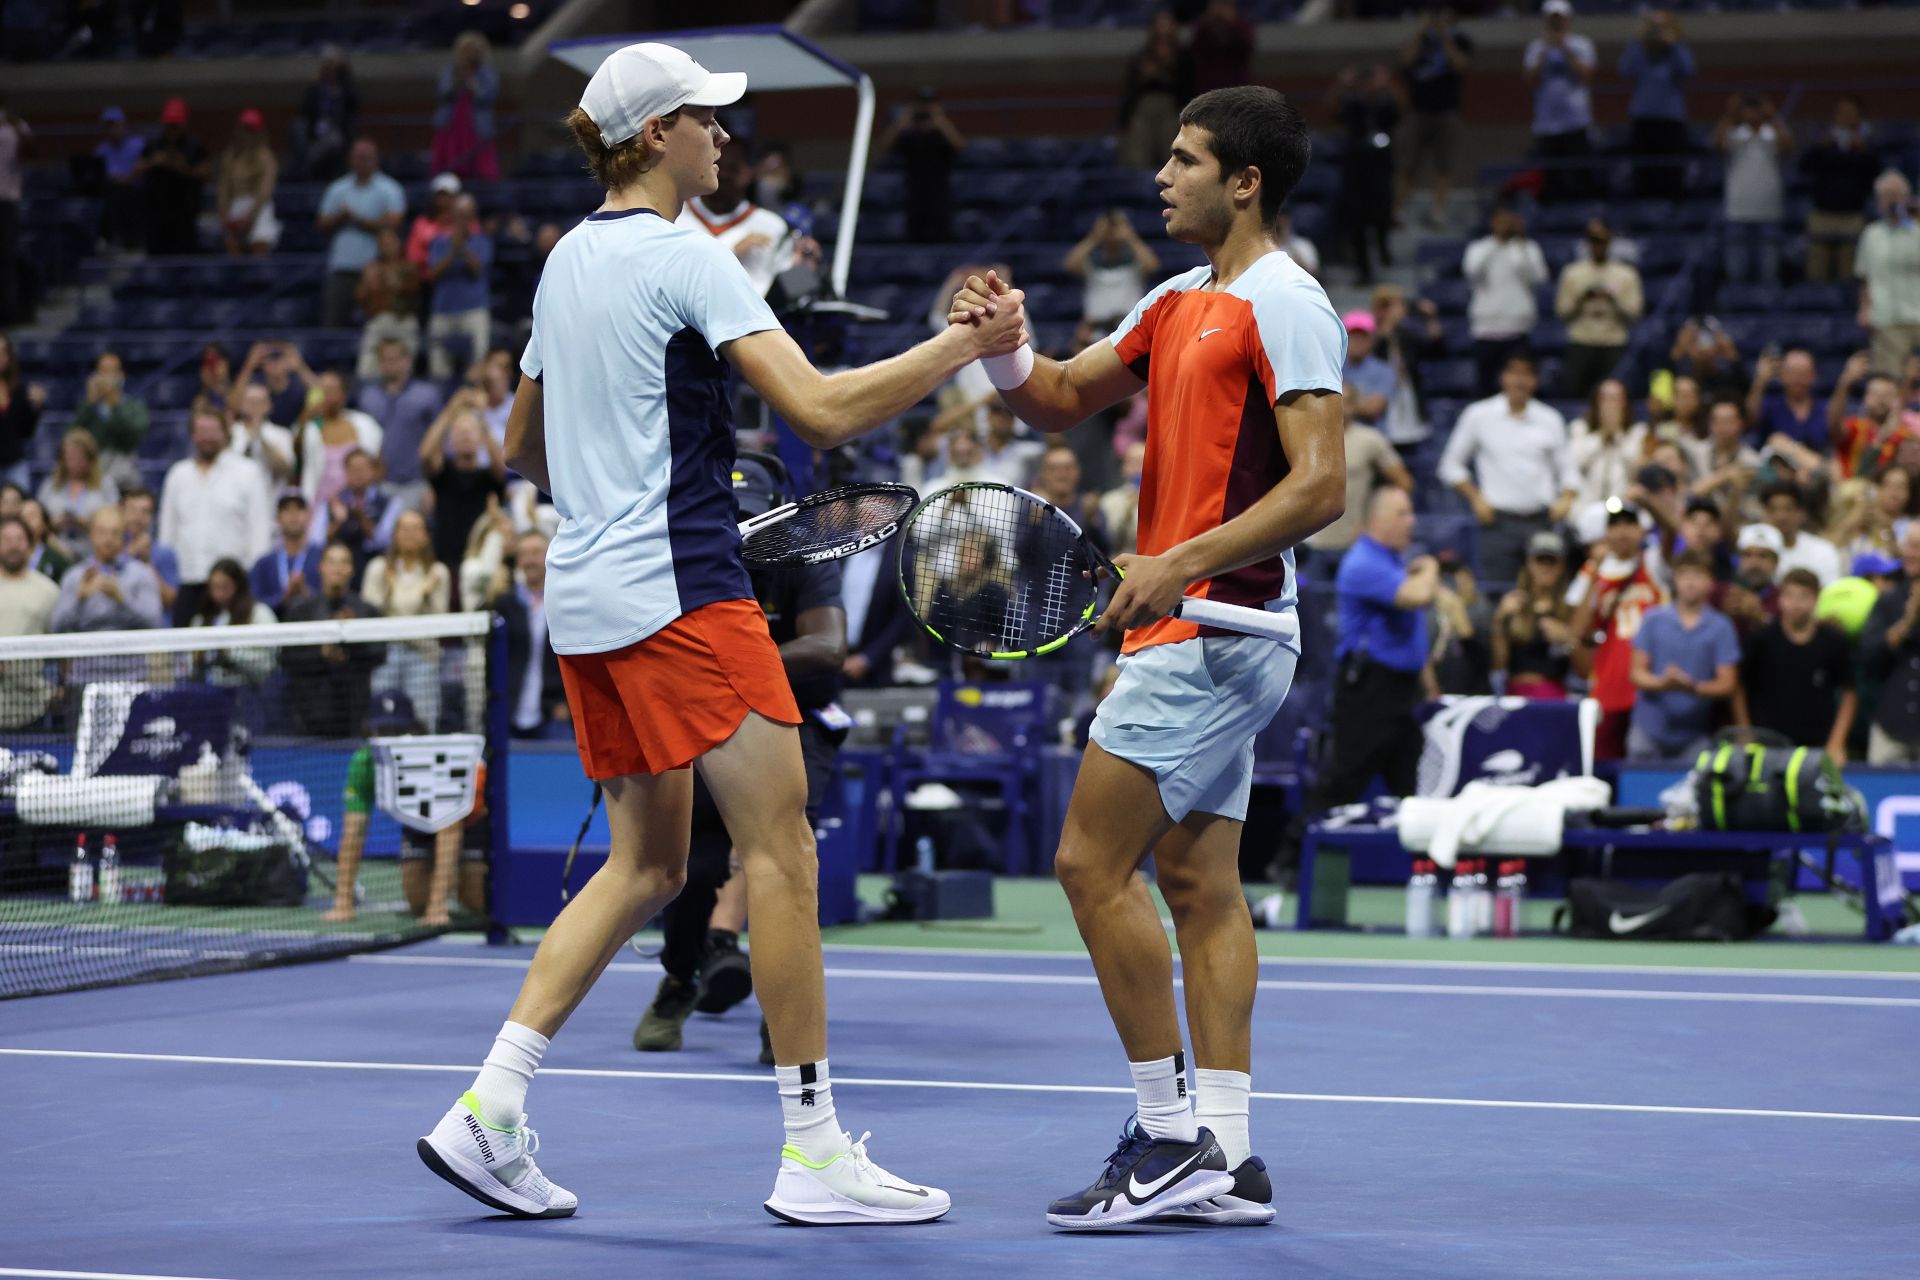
{"points": [[1189, 712]]}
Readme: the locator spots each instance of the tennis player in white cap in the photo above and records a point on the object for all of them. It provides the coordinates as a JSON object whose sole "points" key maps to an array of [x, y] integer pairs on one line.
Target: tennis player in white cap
{"points": [[622, 415]]}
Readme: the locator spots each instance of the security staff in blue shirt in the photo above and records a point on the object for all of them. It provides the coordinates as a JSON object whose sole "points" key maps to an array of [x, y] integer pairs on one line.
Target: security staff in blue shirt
{"points": [[1382, 654]]}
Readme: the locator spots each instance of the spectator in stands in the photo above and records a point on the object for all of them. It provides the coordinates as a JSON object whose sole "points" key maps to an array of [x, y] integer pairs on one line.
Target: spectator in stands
{"points": [[436, 220], [229, 602], [1057, 479], [1887, 262], [1120, 505], [50, 554], [119, 153], [1220, 47], [1460, 655], [1559, 66], [495, 377], [1372, 463], [1840, 170], [1660, 65], [332, 432], [1703, 528], [1876, 514], [1890, 654], [216, 379], [176, 167], [329, 117], [261, 441], [1884, 430], [1608, 447], [20, 406], [1796, 674], [279, 367], [116, 421], [1599, 298], [1532, 633], [1611, 594], [1116, 265], [465, 467], [458, 263], [1008, 450], [1786, 509], [408, 582], [1158, 82], [758, 238], [27, 601], [486, 569], [355, 208], [1754, 596], [1792, 410], [244, 198], [213, 506], [1509, 457], [109, 590], [1404, 346], [463, 122], [927, 143], [1757, 141], [1297, 246], [78, 486], [363, 513], [15, 139], [1370, 382], [290, 569], [389, 297], [1723, 464], [1686, 658], [1434, 66], [137, 511], [776, 183], [330, 684], [405, 407], [1704, 352], [1368, 108], [538, 699], [1504, 267]]}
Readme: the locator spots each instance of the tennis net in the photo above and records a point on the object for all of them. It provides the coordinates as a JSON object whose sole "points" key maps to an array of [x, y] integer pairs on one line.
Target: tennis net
{"points": [[209, 799]]}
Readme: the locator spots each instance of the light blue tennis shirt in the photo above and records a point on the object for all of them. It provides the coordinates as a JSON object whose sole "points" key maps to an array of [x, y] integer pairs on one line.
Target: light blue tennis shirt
{"points": [[627, 324]]}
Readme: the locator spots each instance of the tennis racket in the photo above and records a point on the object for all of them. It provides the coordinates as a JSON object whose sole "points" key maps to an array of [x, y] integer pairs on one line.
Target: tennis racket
{"points": [[826, 526], [1002, 573]]}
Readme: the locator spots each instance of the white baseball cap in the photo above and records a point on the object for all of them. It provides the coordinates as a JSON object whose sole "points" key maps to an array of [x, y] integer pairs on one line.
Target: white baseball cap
{"points": [[1762, 537], [1557, 9], [641, 81]]}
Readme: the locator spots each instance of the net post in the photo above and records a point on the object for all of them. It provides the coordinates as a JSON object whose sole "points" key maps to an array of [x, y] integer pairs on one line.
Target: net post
{"points": [[499, 737]]}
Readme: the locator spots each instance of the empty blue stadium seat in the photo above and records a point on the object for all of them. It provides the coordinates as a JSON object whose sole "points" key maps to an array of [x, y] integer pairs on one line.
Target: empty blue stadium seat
{"points": [[1452, 379]]}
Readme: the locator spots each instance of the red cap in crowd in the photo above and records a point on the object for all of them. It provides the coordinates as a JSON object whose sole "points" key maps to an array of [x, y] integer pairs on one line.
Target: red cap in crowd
{"points": [[252, 119], [175, 112]]}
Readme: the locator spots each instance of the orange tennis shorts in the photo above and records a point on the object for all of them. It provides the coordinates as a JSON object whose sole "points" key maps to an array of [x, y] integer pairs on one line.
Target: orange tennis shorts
{"points": [[663, 702]]}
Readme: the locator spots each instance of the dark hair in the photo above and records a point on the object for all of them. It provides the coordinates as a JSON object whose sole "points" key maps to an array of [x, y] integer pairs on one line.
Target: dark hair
{"points": [[1737, 407], [1254, 127], [10, 378], [1693, 559], [1701, 505], [292, 498], [1783, 489], [1801, 578], [1521, 357], [133, 491], [240, 611]]}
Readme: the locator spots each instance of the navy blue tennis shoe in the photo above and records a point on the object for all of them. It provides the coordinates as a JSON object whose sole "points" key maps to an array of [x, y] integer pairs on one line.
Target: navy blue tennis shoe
{"points": [[1146, 1176]]}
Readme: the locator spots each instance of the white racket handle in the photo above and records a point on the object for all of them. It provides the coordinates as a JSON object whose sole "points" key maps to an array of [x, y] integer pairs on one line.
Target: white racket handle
{"points": [[1282, 627]]}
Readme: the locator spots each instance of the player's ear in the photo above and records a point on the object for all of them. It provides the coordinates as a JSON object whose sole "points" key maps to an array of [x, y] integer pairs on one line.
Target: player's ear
{"points": [[1246, 185]]}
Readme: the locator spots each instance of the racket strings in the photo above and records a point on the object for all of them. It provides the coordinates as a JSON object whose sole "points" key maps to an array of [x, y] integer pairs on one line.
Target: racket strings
{"points": [[828, 524], [995, 571]]}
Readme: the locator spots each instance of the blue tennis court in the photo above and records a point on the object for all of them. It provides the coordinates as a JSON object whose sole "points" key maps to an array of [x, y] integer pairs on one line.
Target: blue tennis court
{"points": [[1419, 1120]]}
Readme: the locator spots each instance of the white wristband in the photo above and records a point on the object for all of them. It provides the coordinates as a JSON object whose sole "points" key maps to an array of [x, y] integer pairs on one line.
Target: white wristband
{"points": [[1008, 372]]}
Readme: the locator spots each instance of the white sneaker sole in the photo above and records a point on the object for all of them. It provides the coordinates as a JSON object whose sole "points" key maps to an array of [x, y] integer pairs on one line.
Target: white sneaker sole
{"points": [[1222, 1211], [477, 1182], [849, 1213], [1202, 1184]]}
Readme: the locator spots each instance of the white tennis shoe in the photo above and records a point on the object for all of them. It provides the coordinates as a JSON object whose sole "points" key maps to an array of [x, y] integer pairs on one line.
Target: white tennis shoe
{"points": [[849, 1189], [495, 1166]]}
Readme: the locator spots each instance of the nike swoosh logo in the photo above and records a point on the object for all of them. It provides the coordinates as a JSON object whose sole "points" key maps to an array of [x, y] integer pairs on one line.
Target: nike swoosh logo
{"points": [[1204, 333], [1630, 924], [1141, 1194], [912, 1191]]}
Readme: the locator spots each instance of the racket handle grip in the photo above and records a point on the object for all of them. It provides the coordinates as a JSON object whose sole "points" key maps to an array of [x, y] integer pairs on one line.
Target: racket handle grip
{"points": [[1282, 627]]}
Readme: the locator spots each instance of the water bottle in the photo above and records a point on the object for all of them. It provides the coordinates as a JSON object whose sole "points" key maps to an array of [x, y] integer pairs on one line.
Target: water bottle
{"points": [[109, 871], [923, 855], [80, 872], [1503, 902], [1420, 887], [1460, 901], [1482, 899], [1513, 895]]}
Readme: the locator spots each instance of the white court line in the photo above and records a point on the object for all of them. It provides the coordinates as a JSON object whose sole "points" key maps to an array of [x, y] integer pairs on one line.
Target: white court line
{"points": [[759, 1079], [995, 977], [90, 1275]]}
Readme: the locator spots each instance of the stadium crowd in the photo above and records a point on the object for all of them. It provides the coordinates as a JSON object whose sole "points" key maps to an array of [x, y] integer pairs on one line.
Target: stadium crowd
{"points": [[1717, 537]]}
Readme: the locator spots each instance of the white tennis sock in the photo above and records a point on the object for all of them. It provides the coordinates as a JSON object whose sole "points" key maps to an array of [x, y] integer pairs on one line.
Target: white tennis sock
{"points": [[502, 1083], [806, 1105], [1220, 1103], [1160, 1092]]}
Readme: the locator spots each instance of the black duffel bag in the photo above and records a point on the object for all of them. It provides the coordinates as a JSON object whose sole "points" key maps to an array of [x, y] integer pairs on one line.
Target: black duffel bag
{"points": [[1754, 780], [1706, 906], [239, 872]]}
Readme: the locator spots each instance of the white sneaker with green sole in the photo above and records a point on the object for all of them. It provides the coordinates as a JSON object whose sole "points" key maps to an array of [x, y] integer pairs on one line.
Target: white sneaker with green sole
{"points": [[849, 1189]]}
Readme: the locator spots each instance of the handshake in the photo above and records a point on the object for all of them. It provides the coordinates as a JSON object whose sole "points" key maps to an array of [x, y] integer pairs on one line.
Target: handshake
{"points": [[995, 311]]}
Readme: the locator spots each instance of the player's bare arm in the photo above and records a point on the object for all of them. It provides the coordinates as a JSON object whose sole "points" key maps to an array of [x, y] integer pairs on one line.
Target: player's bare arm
{"points": [[1057, 395], [1312, 496], [827, 410], [527, 435]]}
